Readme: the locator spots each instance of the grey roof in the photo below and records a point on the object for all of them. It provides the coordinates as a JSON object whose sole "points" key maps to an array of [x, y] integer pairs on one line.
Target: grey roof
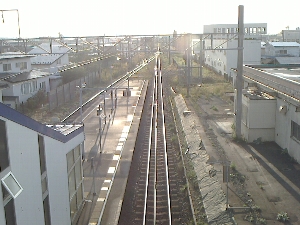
{"points": [[20, 77], [12, 55], [288, 60], [45, 48], [45, 55], [47, 59], [284, 44]]}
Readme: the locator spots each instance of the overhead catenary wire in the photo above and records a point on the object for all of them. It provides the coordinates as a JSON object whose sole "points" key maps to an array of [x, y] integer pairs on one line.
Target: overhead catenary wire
{"points": [[79, 64], [71, 66]]}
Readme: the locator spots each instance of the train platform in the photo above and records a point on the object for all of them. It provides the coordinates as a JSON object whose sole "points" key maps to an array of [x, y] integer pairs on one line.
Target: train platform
{"points": [[106, 166]]}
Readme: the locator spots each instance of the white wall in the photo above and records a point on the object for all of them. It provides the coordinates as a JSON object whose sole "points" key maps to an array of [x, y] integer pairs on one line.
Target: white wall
{"points": [[228, 58], [261, 114], [259, 120], [283, 129], [13, 62], [15, 89], [58, 185], [24, 163], [274, 51], [291, 35]]}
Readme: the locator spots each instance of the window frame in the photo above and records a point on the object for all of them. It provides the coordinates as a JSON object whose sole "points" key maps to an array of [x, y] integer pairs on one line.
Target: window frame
{"points": [[14, 195], [6, 67]]}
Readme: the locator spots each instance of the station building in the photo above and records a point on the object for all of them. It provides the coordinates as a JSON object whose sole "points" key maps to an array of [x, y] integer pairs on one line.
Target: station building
{"points": [[40, 170], [271, 106]]}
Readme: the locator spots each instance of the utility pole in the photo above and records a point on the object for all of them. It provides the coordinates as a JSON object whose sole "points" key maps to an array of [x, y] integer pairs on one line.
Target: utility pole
{"points": [[188, 62], [239, 78], [129, 53], [169, 50], [200, 60]]}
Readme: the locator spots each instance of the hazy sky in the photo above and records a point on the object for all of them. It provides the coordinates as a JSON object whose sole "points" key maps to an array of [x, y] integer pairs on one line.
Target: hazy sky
{"points": [[118, 17]]}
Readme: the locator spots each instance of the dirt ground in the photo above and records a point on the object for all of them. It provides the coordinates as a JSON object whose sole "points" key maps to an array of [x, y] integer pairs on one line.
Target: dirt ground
{"points": [[262, 175]]}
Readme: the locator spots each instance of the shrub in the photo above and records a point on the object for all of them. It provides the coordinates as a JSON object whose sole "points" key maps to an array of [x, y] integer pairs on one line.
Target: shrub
{"points": [[283, 216]]}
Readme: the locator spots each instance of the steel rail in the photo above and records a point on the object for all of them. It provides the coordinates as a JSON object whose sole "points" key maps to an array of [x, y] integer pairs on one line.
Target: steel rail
{"points": [[157, 151], [148, 160], [164, 140]]}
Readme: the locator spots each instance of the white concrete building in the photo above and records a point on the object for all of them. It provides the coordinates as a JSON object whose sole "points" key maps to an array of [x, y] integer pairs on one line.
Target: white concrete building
{"points": [[220, 42], [252, 30], [282, 49], [271, 106], [222, 61], [40, 171], [291, 35], [22, 82]]}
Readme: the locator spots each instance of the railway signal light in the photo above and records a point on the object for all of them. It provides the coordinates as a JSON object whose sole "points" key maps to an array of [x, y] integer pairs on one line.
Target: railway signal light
{"points": [[99, 110]]}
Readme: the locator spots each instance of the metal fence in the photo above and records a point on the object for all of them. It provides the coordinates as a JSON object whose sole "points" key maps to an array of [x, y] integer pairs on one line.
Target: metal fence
{"points": [[69, 91]]}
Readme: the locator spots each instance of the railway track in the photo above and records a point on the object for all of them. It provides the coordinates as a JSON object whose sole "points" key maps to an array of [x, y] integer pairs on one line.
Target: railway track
{"points": [[153, 188]]}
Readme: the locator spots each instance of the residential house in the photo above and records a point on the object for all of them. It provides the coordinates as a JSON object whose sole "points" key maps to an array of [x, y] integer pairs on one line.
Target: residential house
{"points": [[282, 49], [19, 80], [40, 170], [50, 58]]}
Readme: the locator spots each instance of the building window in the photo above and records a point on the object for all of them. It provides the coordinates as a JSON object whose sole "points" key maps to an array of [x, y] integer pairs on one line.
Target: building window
{"points": [[10, 190], [21, 65], [43, 85], [11, 185], [282, 51], [29, 87], [295, 130], [75, 180], [6, 67], [4, 158]]}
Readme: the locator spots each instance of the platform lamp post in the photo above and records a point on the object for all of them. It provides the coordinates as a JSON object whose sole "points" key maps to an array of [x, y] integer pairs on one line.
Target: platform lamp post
{"points": [[94, 183], [100, 114]]}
